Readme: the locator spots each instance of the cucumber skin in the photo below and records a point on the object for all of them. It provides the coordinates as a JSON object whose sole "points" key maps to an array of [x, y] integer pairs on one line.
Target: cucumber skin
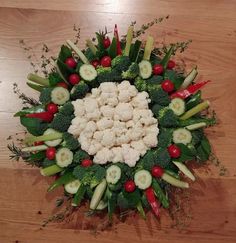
{"points": [[137, 182], [145, 76], [97, 195], [110, 168], [185, 131], [84, 76], [177, 113], [55, 100]]}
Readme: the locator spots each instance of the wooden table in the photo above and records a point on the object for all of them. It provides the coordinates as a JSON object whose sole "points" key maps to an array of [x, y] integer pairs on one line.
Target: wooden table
{"points": [[210, 24]]}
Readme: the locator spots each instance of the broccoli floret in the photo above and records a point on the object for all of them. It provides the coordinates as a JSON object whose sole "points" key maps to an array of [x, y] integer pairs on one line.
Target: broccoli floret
{"points": [[159, 96], [47, 162], [70, 141], [140, 84], [67, 109], [156, 108], [61, 122], [121, 63], [132, 71], [154, 82], [165, 137], [162, 157], [79, 90], [167, 118], [54, 78], [101, 69], [109, 77], [80, 155], [45, 95]]}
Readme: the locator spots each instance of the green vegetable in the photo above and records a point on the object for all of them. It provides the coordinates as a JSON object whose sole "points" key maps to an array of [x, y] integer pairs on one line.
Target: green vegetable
{"points": [[64, 70], [182, 135], [160, 194], [194, 100], [165, 137], [52, 143], [79, 90], [174, 182], [133, 198], [140, 84], [88, 72], [120, 63], [64, 53], [47, 162], [97, 195], [141, 210], [134, 52], [175, 78], [51, 170], [54, 78], [35, 86], [91, 46], [167, 118], [154, 81], [148, 48], [61, 122], [162, 157], [197, 136], [102, 69], [80, 155], [196, 120], [190, 78], [132, 71], [33, 125], [187, 154], [183, 168], [145, 69], [37, 79], [165, 60], [156, 108], [70, 141], [159, 96], [72, 187], [35, 148], [67, 109], [64, 157], [60, 95], [203, 150], [112, 52], [45, 95], [33, 109], [79, 195], [129, 38]]}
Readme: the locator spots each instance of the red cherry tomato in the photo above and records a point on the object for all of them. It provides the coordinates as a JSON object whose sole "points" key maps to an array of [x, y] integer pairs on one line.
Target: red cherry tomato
{"points": [[171, 64], [157, 69], [157, 171], [95, 63], [106, 42], [129, 186], [52, 108], [174, 151], [86, 162], [38, 143], [51, 153], [74, 79], [63, 85], [106, 61], [70, 62], [167, 86]]}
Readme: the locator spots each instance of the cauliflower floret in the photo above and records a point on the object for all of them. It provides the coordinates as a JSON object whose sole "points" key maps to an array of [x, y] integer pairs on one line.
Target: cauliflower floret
{"points": [[118, 156], [98, 135], [85, 142], [124, 111], [124, 96], [90, 104], [73, 129], [135, 133], [150, 140], [124, 138], [153, 129], [103, 156], [95, 115], [94, 148], [108, 87], [132, 91], [79, 108], [107, 111], [148, 121], [119, 128], [95, 92], [131, 156], [112, 101], [140, 101], [77, 125], [104, 123], [124, 85], [139, 146], [130, 124], [108, 138], [90, 127]]}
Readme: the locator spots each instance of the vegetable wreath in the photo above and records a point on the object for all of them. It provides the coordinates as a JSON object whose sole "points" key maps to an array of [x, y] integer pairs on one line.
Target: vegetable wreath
{"points": [[117, 124]]}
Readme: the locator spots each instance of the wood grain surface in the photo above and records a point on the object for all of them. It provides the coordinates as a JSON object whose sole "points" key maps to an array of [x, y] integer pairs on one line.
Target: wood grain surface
{"points": [[210, 205]]}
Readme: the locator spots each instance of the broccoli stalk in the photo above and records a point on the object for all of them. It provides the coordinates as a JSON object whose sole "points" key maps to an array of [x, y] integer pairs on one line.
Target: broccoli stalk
{"points": [[132, 71], [49, 137]]}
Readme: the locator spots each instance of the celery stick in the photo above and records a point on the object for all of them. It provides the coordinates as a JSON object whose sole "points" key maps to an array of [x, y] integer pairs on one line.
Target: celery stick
{"points": [[35, 148], [198, 108], [129, 38], [91, 46], [189, 79], [78, 51], [37, 79], [34, 86], [51, 170], [148, 48], [184, 169], [196, 126], [48, 137], [174, 182]]}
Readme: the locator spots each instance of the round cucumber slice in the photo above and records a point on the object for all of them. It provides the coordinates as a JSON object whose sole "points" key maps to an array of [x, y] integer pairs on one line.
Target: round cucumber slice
{"points": [[177, 105], [102, 205], [143, 179], [113, 174], [145, 69], [182, 135], [64, 157], [60, 95], [97, 195], [52, 143], [72, 187], [87, 72]]}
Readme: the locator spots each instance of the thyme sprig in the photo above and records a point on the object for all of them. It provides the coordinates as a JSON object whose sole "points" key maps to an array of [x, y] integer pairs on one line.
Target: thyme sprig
{"points": [[16, 153]]}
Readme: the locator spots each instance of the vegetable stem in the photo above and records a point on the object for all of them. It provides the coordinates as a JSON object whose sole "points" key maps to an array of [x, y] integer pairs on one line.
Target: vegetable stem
{"points": [[198, 108], [141, 210], [189, 79], [48, 137], [174, 182], [129, 38], [196, 126], [77, 51], [37, 79], [148, 48], [183, 168], [91, 46], [35, 86], [166, 58], [160, 194], [35, 148], [51, 170]]}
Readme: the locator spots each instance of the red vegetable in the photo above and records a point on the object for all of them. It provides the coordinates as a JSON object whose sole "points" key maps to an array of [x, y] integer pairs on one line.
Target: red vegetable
{"points": [[86, 162], [44, 116], [151, 198], [157, 171], [50, 153], [106, 61], [129, 186], [171, 64], [52, 108], [95, 63], [167, 85], [38, 143], [74, 79], [183, 94], [106, 42], [157, 69], [174, 151], [63, 85], [70, 62], [116, 35]]}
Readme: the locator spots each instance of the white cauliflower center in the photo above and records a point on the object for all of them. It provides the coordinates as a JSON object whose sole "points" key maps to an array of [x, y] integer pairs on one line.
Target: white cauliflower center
{"points": [[114, 123]]}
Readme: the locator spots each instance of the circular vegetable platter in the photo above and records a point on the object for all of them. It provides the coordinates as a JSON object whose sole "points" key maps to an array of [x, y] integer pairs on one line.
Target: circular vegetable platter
{"points": [[116, 124]]}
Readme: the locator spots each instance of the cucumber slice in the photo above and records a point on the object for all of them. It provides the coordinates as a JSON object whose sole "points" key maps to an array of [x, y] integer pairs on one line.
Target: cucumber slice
{"points": [[72, 187], [64, 157], [145, 69], [177, 105], [60, 95], [52, 143], [113, 174], [88, 72], [102, 205], [97, 195], [143, 179], [182, 135]]}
